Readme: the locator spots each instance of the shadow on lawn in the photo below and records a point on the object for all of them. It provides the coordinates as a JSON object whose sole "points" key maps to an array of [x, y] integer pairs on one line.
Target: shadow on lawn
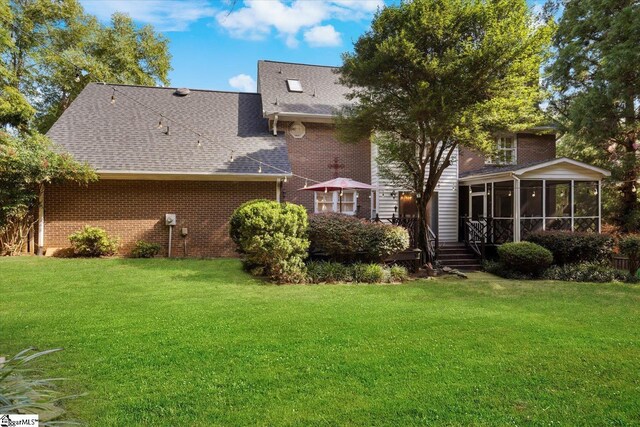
{"points": [[203, 270]]}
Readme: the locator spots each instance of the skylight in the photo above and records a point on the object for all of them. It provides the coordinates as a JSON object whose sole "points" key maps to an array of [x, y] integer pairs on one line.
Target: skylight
{"points": [[294, 85]]}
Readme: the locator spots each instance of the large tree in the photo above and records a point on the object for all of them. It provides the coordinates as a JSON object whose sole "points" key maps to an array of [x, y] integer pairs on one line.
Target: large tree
{"points": [[54, 49], [49, 51], [432, 75], [596, 81]]}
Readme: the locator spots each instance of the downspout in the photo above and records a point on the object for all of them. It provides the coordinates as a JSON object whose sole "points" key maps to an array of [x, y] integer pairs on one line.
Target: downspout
{"points": [[278, 190], [275, 125], [41, 221], [516, 208]]}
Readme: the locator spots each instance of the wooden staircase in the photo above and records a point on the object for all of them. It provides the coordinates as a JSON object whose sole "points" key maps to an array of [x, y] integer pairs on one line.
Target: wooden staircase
{"points": [[459, 257]]}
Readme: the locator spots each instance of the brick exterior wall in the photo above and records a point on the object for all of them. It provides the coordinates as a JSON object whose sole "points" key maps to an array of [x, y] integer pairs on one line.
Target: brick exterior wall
{"points": [[311, 155], [134, 210], [531, 148]]}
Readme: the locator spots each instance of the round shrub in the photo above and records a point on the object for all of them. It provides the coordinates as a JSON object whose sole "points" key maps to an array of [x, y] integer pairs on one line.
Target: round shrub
{"points": [[568, 247], [345, 238], [398, 273], [273, 237], [93, 242], [384, 240], [525, 257], [144, 249], [369, 273]]}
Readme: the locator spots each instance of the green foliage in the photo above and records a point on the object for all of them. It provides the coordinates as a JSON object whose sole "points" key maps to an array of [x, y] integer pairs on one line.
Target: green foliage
{"points": [[630, 246], [328, 272], [597, 93], [432, 75], [26, 164], [398, 273], [501, 270], [346, 238], [596, 272], [384, 240], [369, 273], [93, 242], [525, 257], [335, 272], [20, 393], [53, 41], [273, 238], [568, 247], [145, 249], [341, 237]]}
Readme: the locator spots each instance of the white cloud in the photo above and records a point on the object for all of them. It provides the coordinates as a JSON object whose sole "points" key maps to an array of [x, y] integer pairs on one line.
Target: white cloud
{"points": [[243, 82], [164, 15], [257, 19], [322, 35]]}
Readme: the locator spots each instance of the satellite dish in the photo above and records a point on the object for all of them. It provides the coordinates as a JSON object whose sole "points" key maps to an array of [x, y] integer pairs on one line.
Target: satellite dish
{"points": [[183, 91]]}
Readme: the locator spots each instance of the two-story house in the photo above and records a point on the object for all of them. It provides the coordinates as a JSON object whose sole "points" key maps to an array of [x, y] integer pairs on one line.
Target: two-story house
{"points": [[199, 154]]}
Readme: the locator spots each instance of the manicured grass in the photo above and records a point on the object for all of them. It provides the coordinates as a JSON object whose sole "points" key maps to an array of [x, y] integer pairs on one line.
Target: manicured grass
{"points": [[164, 342]]}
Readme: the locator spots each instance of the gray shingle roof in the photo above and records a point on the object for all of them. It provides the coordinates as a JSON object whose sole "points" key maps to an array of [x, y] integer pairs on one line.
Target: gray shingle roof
{"points": [[315, 79], [125, 137], [490, 169]]}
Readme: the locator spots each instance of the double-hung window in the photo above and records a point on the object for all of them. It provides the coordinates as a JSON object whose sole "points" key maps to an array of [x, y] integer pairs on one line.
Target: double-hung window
{"points": [[505, 154], [330, 202]]}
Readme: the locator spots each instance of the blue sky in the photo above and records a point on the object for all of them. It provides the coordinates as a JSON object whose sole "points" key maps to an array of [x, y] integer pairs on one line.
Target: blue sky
{"points": [[216, 45]]}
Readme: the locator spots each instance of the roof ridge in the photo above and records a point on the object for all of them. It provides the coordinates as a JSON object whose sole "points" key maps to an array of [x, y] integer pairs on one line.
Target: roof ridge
{"points": [[298, 63], [173, 88]]}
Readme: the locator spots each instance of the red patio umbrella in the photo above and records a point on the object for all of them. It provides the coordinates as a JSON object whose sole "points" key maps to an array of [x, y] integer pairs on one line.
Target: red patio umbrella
{"points": [[339, 184]]}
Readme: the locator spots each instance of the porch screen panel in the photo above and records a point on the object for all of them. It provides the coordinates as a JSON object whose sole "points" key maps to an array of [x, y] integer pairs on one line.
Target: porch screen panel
{"points": [[558, 205], [586, 206], [530, 207], [502, 221]]}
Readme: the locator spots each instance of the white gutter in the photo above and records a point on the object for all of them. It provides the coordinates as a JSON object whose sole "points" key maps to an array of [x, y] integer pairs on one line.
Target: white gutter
{"points": [[275, 125], [160, 175]]}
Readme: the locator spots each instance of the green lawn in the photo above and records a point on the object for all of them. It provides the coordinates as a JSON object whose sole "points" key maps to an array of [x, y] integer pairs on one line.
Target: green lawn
{"points": [[167, 342]]}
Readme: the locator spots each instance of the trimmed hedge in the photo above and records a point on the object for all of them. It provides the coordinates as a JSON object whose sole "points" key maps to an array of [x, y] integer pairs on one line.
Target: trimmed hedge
{"points": [[525, 257], [273, 238], [93, 242], [569, 248], [345, 238]]}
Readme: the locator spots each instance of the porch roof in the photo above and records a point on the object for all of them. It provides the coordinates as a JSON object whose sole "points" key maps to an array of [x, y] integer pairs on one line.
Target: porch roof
{"points": [[560, 168]]}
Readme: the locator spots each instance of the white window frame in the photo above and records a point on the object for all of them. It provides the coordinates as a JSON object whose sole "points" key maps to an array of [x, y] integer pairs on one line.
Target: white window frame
{"points": [[294, 85], [335, 201], [500, 142]]}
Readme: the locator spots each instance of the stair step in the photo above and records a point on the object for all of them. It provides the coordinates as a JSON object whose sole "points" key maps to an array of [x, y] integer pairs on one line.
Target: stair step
{"points": [[454, 252], [466, 267], [462, 261]]}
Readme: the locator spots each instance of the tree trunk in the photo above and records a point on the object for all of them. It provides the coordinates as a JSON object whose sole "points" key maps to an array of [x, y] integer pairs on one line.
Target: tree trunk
{"points": [[629, 196], [422, 241]]}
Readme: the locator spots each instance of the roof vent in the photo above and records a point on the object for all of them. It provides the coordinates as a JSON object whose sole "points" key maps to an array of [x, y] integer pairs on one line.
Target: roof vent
{"points": [[183, 91]]}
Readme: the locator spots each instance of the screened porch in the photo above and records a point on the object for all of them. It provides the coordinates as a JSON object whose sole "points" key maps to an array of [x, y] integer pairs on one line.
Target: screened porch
{"points": [[507, 205]]}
